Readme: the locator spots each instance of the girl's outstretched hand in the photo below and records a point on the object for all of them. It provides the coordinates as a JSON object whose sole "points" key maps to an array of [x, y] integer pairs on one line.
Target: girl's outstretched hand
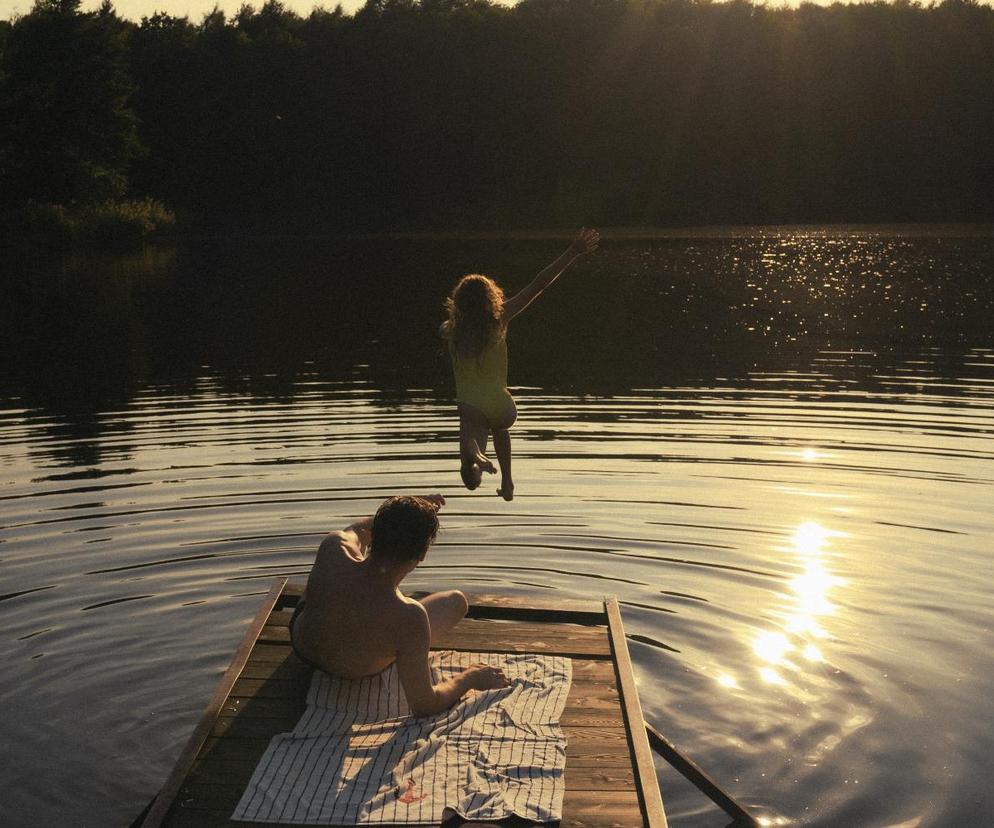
{"points": [[585, 242]]}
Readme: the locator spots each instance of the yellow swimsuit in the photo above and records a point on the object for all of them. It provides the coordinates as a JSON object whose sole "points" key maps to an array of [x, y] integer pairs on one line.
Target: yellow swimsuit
{"points": [[482, 381]]}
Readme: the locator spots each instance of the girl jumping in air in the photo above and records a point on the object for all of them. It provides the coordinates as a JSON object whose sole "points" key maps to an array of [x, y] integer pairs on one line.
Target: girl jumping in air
{"points": [[476, 333]]}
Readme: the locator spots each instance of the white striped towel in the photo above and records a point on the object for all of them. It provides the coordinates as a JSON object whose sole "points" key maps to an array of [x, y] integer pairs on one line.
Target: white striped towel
{"points": [[358, 757]]}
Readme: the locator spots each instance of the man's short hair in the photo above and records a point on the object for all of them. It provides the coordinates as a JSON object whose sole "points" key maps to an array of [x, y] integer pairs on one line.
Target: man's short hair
{"points": [[403, 529]]}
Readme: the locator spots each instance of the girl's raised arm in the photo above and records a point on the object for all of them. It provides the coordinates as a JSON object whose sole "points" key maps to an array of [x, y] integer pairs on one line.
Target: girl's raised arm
{"points": [[585, 242]]}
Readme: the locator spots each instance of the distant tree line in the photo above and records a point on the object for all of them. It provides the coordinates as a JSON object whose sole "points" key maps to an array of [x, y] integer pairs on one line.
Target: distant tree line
{"points": [[464, 114]]}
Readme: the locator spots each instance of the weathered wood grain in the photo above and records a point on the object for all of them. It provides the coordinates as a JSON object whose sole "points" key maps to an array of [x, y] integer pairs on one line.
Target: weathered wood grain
{"points": [[645, 769], [267, 694], [160, 808], [526, 637]]}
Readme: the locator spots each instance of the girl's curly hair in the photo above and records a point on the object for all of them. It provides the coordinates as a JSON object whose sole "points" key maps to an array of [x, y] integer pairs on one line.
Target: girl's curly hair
{"points": [[476, 311]]}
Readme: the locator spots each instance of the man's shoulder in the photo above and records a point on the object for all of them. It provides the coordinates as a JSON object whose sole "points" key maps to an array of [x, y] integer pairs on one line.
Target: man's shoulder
{"points": [[412, 618], [410, 610]]}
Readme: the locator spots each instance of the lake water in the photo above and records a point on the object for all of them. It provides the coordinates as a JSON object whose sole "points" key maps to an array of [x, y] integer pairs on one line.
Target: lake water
{"points": [[774, 446]]}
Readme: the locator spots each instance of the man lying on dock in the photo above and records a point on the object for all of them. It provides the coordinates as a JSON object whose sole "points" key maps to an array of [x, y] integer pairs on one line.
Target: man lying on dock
{"points": [[354, 621]]}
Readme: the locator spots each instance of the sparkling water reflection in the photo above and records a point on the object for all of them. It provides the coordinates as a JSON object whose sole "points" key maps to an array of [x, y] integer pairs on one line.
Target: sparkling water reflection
{"points": [[800, 545]]}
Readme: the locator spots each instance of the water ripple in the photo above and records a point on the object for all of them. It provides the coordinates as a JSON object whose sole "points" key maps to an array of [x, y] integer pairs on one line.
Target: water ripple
{"points": [[799, 557]]}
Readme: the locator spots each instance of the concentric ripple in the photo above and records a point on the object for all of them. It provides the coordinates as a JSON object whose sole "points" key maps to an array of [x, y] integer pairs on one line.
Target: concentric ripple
{"points": [[801, 559]]}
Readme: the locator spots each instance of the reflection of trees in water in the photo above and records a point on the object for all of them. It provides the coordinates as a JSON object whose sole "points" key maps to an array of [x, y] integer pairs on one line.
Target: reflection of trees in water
{"points": [[82, 439], [84, 334], [77, 328], [76, 335]]}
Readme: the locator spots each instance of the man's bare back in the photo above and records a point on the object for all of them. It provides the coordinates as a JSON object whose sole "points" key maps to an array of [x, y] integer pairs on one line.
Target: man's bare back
{"points": [[353, 612], [354, 620]]}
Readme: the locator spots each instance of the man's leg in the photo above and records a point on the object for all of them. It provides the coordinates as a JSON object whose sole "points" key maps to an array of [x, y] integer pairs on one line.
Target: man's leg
{"points": [[445, 610]]}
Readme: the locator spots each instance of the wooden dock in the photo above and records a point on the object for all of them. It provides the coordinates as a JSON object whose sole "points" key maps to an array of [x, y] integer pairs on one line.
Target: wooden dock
{"points": [[610, 777]]}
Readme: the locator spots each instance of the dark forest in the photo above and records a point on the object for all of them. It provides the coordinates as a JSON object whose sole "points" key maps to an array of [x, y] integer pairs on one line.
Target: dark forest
{"points": [[466, 115]]}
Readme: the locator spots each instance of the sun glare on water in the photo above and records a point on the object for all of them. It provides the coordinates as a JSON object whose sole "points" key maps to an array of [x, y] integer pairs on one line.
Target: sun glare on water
{"points": [[787, 649]]}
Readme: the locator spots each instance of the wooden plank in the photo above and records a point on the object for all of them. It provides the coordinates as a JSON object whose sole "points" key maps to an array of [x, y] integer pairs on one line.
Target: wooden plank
{"points": [[279, 618], [540, 629], [563, 610], [704, 783], [648, 784], [294, 590], [596, 669], [617, 809], [268, 697], [237, 772], [254, 727], [578, 642], [602, 809], [583, 740], [269, 688], [272, 634], [217, 786], [596, 740], [599, 694], [553, 605], [242, 725], [263, 708], [493, 636], [290, 669], [582, 692], [284, 713], [561, 647], [233, 747], [587, 718], [601, 737], [582, 803], [167, 795], [270, 652]]}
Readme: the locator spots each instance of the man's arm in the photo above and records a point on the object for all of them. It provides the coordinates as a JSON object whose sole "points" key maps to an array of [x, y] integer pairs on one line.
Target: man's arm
{"points": [[362, 531], [423, 697], [353, 540], [356, 537], [585, 242]]}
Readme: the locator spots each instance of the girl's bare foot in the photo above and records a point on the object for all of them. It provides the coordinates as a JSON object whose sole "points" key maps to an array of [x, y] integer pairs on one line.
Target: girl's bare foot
{"points": [[506, 491], [471, 476]]}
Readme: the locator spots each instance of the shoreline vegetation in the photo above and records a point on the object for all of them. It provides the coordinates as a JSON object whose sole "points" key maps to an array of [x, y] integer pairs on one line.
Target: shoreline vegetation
{"points": [[456, 118], [128, 225], [110, 225], [950, 230]]}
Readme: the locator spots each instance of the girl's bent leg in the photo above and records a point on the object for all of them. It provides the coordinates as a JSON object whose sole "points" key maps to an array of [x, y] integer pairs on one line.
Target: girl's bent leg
{"points": [[473, 431], [445, 610], [502, 446]]}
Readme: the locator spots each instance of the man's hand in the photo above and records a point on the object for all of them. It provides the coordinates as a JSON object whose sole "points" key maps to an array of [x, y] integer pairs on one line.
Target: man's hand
{"points": [[585, 242], [482, 677], [436, 500]]}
